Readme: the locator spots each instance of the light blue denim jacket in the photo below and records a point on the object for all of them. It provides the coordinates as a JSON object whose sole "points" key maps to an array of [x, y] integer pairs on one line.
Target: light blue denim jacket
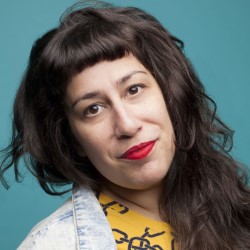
{"points": [[78, 224]]}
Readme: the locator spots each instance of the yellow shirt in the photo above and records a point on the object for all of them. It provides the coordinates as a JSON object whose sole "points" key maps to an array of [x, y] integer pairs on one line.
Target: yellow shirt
{"points": [[135, 231]]}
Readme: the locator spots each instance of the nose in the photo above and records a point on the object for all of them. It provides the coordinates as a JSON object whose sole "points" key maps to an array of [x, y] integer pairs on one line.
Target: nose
{"points": [[126, 123]]}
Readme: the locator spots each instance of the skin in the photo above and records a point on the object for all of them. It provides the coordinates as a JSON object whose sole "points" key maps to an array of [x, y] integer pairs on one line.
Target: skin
{"points": [[111, 107]]}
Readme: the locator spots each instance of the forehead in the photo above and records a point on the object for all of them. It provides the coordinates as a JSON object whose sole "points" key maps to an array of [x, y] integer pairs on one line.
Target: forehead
{"points": [[105, 73], [110, 70]]}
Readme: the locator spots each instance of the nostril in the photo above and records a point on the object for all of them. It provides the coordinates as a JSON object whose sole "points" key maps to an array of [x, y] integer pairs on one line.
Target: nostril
{"points": [[124, 136]]}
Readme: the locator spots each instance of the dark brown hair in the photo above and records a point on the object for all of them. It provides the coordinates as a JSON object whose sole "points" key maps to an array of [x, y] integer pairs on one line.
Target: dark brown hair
{"points": [[206, 199]]}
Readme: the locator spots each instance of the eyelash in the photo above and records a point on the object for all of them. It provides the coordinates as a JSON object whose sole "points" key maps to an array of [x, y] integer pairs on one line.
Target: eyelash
{"points": [[140, 85], [88, 109], [85, 113]]}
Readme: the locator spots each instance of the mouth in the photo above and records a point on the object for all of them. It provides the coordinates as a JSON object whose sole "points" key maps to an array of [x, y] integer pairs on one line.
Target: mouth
{"points": [[139, 151]]}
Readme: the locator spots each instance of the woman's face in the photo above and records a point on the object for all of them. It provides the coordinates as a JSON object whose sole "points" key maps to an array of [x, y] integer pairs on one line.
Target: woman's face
{"points": [[118, 115]]}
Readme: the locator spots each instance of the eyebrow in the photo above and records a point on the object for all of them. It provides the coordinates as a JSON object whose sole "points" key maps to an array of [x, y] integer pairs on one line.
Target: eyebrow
{"points": [[125, 78], [94, 94]]}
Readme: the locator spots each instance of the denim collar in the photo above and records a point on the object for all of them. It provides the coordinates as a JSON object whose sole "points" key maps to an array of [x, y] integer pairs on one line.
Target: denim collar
{"points": [[92, 228]]}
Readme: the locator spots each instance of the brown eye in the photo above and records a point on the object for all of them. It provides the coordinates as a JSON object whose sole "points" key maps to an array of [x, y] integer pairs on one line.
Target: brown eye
{"points": [[133, 90], [93, 110]]}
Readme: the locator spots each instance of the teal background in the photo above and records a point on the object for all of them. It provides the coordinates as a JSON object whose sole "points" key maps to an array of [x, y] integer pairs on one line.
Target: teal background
{"points": [[216, 35]]}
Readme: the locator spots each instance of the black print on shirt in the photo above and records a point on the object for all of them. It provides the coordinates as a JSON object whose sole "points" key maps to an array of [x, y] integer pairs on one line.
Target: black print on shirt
{"points": [[139, 243], [112, 205]]}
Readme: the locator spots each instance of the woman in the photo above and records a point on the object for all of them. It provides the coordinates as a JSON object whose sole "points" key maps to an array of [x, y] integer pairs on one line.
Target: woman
{"points": [[110, 104]]}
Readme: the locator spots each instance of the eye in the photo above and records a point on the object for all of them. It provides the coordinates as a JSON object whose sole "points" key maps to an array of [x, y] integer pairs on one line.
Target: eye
{"points": [[135, 89], [93, 110]]}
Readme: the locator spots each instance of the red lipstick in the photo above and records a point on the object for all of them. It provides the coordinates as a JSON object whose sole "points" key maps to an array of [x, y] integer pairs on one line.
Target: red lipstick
{"points": [[139, 151]]}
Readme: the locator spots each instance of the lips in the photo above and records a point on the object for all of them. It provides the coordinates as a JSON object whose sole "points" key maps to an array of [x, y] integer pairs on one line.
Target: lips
{"points": [[139, 151]]}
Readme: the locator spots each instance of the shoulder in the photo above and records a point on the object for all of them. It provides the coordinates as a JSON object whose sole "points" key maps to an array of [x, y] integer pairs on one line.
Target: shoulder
{"points": [[55, 232], [77, 224]]}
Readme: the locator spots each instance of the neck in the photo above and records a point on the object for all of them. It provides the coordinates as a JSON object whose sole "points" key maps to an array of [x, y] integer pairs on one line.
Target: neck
{"points": [[145, 202]]}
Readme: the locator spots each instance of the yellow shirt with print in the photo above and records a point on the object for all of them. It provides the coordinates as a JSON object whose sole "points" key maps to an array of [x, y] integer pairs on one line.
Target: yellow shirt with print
{"points": [[133, 231]]}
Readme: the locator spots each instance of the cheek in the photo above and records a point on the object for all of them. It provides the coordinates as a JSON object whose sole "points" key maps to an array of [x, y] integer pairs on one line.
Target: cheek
{"points": [[91, 144], [93, 140], [161, 116], [158, 111]]}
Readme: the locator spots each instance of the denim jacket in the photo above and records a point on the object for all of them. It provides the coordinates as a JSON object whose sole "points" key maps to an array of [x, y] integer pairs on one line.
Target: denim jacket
{"points": [[78, 224]]}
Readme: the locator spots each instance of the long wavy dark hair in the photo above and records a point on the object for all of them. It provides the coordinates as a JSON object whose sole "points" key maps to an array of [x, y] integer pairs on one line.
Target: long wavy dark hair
{"points": [[205, 197]]}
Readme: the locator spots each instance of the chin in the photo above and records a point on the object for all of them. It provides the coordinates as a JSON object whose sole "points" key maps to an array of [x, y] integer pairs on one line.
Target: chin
{"points": [[147, 183]]}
